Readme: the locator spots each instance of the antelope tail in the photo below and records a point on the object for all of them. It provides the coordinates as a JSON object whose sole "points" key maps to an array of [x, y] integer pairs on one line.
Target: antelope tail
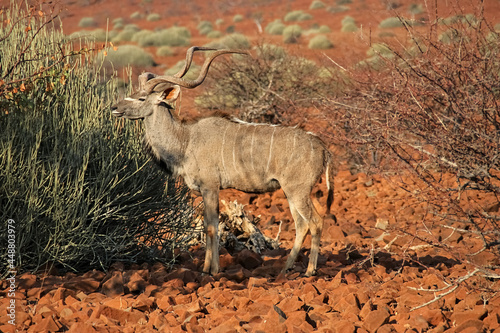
{"points": [[330, 175]]}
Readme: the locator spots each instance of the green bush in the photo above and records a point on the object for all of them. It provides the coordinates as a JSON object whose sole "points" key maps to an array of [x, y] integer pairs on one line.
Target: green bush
{"points": [[391, 22], [292, 33], [73, 178], [204, 27], [164, 51], [271, 52], [416, 9], [136, 16], [98, 35], [191, 74], [214, 34], [238, 18], [87, 22], [320, 42], [132, 27], [118, 23], [396, 22], [317, 4], [126, 55], [153, 17], [173, 36], [123, 36], [348, 19], [324, 29], [143, 38], [349, 27], [233, 41], [275, 28], [297, 15]]}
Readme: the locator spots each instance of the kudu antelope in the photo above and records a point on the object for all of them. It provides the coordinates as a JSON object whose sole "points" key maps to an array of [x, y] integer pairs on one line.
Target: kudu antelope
{"points": [[216, 153]]}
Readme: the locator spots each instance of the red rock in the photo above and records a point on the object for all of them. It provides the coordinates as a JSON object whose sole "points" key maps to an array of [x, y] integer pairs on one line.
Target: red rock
{"points": [[387, 328], [272, 323], [47, 324], [118, 303], [114, 286], [299, 322], [460, 317], [238, 274], [143, 303], [165, 303], [183, 274], [291, 304], [375, 319], [365, 310], [87, 285], [136, 283], [171, 320], [81, 327], [27, 281], [123, 317], [433, 316], [349, 303], [334, 232], [471, 326], [249, 259], [344, 326], [418, 322]]}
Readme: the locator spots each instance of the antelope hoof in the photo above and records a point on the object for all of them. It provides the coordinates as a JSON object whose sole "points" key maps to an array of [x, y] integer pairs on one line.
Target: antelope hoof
{"points": [[310, 272]]}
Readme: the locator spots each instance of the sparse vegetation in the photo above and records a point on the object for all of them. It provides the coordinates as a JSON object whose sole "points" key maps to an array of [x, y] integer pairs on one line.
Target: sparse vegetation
{"points": [[136, 16], [153, 17], [214, 34], [349, 24], [87, 22], [126, 55], [317, 4], [297, 15], [268, 88], [204, 27], [391, 22], [82, 193], [164, 51], [431, 110], [292, 33], [238, 18], [233, 41], [416, 9], [320, 42], [275, 28], [173, 36]]}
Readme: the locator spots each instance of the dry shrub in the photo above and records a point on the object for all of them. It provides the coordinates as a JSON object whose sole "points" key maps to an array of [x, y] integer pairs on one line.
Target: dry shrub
{"points": [[268, 87], [434, 109]]}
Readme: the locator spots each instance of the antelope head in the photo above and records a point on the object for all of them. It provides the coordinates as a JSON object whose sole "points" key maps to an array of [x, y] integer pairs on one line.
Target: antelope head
{"points": [[164, 90]]}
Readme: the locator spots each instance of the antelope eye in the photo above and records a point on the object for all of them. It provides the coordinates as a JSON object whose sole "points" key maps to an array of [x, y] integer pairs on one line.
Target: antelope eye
{"points": [[142, 99]]}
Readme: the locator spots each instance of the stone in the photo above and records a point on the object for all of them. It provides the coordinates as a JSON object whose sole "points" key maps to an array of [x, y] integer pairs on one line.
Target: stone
{"points": [[114, 286], [136, 283], [375, 319], [80, 283], [249, 259]]}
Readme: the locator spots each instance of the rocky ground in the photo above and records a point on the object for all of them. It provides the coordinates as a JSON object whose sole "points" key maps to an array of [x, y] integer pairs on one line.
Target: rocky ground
{"points": [[371, 276], [365, 283]]}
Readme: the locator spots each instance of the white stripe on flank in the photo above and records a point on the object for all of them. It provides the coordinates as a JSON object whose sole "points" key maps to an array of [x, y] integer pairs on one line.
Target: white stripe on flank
{"points": [[251, 148], [270, 150], [129, 99], [293, 149], [222, 150], [234, 150]]}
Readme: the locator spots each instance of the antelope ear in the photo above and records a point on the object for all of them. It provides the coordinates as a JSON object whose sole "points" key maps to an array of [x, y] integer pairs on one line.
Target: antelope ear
{"points": [[171, 93]]}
